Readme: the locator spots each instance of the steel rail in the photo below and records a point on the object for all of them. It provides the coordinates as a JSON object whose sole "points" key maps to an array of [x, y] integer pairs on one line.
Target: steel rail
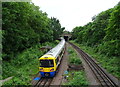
{"points": [[43, 82]]}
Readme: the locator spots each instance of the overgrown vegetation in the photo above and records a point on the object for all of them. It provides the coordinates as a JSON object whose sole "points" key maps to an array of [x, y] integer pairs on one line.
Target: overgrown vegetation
{"points": [[73, 57], [75, 78], [103, 37], [24, 67]]}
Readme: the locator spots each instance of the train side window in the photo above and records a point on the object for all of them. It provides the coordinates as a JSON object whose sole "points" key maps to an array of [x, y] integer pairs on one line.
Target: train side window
{"points": [[60, 53], [56, 61]]}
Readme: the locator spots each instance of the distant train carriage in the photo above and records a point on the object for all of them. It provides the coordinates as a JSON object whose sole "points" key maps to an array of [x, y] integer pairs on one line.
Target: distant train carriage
{"points": [[51, 60]]}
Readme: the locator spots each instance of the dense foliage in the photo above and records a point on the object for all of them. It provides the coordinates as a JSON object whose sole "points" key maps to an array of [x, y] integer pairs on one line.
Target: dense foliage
{"points": [[56, 27], [103, 33], [25, 25]]}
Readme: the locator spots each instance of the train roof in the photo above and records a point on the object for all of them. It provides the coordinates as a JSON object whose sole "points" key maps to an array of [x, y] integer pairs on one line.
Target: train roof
{"points": [[57, 49], [46, 56]]}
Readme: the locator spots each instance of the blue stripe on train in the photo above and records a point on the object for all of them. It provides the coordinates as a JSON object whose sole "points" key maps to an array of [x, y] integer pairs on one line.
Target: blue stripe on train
{"points": [[51, 74]]}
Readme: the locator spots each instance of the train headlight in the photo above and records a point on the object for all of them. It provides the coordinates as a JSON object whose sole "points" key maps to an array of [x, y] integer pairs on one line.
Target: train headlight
{"points": [[51, 70], [41, 69]]}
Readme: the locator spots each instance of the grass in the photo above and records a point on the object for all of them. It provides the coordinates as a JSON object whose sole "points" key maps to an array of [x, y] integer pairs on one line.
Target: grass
{"points": [[73, 57], [24, 66], [109, 63], [75, 78]]}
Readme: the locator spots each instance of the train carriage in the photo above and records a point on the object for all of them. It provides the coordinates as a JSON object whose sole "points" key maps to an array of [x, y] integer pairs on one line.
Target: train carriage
{"points": [[51, 60]]}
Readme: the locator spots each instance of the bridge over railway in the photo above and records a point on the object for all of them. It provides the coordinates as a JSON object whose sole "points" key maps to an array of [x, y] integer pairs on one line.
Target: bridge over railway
{"points": [[66, 36]]}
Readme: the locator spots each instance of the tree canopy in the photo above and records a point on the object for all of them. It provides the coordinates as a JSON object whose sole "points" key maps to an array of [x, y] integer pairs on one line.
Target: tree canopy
{"points": [[25, 25]]}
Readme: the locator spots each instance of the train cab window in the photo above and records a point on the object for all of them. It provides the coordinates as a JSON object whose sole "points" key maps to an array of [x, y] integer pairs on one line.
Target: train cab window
{"points": [[46, 63]]}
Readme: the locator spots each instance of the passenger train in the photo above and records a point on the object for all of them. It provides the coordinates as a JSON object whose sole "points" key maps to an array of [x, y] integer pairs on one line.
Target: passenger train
{"points": [[50, 61]]}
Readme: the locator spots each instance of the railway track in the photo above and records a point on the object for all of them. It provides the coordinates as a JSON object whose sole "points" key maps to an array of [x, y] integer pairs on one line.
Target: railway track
{"points": [[43, 82], [103, 78]]}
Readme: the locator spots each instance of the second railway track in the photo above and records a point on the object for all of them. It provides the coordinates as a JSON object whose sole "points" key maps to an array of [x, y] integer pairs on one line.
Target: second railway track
{"points": [[43, 82], [102, 77]]}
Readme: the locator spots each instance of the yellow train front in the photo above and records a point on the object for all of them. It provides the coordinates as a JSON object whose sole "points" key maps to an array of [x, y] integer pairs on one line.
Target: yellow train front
{"points": [[47, 66], [51, 60]]}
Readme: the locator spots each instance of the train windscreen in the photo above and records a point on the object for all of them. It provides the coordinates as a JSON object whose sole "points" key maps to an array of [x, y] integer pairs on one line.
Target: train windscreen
{"points": [[46, 63]]}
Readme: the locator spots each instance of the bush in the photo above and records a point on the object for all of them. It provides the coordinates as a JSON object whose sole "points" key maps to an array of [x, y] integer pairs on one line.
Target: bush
{"points": [[77, 79], [73, 58]]}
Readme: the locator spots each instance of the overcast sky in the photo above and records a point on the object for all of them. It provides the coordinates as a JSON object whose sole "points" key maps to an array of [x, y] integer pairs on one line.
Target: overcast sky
{"points": [[72, 13]]}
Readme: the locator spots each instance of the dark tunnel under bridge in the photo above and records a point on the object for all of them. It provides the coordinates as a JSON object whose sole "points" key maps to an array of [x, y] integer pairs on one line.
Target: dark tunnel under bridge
{"points": [[66, 36]]}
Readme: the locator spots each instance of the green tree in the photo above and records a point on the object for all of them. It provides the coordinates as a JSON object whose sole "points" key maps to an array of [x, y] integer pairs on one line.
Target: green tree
{"points": [[112, 38], [56, 27]]}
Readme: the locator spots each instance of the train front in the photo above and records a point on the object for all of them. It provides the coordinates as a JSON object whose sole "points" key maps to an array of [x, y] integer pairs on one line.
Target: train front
{"points": [[47, 66]]}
